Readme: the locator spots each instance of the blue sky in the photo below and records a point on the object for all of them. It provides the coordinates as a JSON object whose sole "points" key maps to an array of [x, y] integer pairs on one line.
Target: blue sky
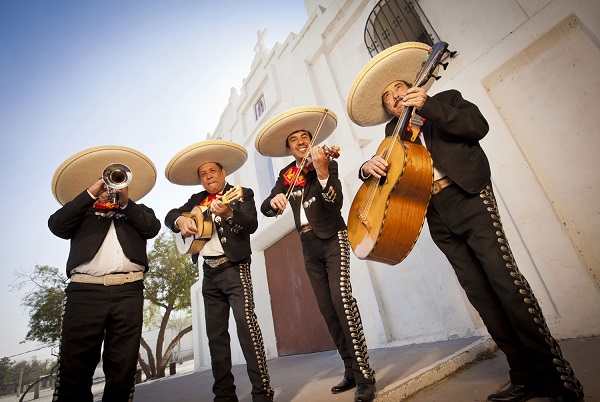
{"points": [[151, 75]]}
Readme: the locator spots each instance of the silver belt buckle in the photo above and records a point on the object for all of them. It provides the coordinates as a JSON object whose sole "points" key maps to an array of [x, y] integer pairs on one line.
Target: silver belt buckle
{"points": [[216, 262]]}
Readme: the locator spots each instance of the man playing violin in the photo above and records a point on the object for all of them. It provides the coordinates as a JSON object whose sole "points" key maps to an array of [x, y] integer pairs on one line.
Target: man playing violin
{"points": [[464, 221], [226, 283], [315, 196]]}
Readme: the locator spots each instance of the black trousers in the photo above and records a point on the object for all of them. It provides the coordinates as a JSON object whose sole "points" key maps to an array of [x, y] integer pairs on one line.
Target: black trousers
{"points": [[229, 286], [327, 263], [93, 314], [468, 230]]}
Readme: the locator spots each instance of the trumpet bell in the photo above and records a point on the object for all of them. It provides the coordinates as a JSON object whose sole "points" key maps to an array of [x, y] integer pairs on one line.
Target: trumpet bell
{"points": [[117, 176]]}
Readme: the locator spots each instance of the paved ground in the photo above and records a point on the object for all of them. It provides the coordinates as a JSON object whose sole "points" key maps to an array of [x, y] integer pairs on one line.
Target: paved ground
{"points": [[462, 370]]}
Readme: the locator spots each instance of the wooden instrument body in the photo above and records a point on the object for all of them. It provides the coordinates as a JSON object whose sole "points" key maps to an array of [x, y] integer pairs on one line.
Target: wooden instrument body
{"points": [[204, 223], [193, 244], [390, 228]]}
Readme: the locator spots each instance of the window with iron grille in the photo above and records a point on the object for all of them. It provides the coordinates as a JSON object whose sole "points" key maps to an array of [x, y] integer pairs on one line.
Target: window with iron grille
{"points": [[396, 21], [259, 107]]}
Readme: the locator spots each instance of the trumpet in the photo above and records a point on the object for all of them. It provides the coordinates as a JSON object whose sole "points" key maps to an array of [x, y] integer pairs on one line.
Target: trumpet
{"points": [[116, 176]]}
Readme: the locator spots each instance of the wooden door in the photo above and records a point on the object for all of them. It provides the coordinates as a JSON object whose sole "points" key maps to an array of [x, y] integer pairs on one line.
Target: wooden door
{"points": [[299, 325]]}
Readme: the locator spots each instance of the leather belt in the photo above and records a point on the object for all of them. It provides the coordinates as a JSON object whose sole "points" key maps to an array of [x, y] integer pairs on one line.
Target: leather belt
{"points": [[108, 280], [215, 262], [305, 229], [441, 184]]}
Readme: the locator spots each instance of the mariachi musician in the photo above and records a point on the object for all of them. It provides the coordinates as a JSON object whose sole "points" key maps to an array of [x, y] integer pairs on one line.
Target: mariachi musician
{"points": [[315, 196], [226, 281], [104, 299], [463, 218]]}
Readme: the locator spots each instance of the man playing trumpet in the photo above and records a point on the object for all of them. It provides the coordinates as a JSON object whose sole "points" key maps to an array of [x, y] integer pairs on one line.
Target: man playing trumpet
{"points": [[105, 297]]}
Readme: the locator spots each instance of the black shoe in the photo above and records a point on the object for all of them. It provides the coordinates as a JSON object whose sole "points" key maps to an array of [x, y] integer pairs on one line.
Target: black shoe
{"points": [[346, 384], [364, 393], [514, 393]]}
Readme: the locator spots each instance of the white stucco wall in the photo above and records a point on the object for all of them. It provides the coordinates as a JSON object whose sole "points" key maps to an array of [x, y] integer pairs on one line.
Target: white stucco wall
{"points": [[530, 67]]}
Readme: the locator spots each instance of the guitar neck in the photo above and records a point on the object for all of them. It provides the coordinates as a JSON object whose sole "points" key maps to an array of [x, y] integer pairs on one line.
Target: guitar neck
{"points": [[233, 194]]}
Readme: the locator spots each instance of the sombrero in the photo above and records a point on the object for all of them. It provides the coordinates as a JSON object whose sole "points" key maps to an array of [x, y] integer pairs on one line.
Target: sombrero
{"points": [[84, 168], [183, 168], [399, 62], [271, 139]]}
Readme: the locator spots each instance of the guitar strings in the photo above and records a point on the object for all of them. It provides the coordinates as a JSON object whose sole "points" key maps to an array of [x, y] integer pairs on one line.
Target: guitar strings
{"points": [[388, 153]]}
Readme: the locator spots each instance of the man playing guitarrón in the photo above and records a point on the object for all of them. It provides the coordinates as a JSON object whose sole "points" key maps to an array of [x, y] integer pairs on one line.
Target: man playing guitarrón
{"points": [[227, 283], [463, 218]]}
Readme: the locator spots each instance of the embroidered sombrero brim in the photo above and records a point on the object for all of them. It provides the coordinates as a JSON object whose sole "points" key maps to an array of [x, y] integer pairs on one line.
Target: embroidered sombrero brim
{"points": [[399, 62], [183, 168], [272, 138], [83, 169]]}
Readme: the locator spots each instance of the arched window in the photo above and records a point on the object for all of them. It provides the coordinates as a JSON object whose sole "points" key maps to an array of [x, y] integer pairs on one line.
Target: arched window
{"points": [[396, 21], [259, 107]]}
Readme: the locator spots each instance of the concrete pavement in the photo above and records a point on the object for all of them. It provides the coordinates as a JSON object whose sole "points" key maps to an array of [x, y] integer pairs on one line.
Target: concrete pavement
{"points": [[460, 370]]}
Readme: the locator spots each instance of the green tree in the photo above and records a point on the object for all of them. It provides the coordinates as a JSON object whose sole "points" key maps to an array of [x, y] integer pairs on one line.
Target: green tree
{"points": [[45, 292], [6, 367], [32, 371], [168, 284]]}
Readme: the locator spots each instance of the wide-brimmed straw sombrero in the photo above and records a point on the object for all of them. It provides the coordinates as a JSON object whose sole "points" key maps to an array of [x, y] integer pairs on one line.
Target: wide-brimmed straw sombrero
{"points": [[399, 62], [83, 169], [183, 168], [271, 140]]}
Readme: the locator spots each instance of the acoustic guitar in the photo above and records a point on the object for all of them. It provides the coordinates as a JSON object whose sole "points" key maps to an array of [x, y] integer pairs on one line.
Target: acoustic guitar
{"points": [[387, 214], [203, 219]]}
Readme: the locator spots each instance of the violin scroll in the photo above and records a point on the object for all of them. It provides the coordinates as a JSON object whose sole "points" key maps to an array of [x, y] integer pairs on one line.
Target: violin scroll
{"points": [[332, 152]]}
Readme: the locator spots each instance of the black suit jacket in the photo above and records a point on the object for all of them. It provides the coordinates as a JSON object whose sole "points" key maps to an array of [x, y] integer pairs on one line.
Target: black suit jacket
{"points": [[77, 221], [452, 131], [321, 205], [234, 234]]}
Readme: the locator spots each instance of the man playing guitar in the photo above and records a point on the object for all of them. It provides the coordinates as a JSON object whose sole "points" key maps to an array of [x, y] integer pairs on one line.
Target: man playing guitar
{"points": [[226, 282]]}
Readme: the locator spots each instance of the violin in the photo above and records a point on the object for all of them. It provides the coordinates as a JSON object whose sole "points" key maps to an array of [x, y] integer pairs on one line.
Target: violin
{"points": [[332, 153], [306, 166]]}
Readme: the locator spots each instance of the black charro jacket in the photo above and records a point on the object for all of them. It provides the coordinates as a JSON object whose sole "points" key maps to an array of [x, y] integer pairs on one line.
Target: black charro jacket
{"points": [[234, 234], [452, 131], [77, 221], [321, 205]]}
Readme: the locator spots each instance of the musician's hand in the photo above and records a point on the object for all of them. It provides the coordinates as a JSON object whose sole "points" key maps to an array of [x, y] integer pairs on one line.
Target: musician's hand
{"points": [[218, 208], [415, 96], [97, 188], [123, 196], [376, 166], [187, 226], [279, 202], [320, 162]]}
